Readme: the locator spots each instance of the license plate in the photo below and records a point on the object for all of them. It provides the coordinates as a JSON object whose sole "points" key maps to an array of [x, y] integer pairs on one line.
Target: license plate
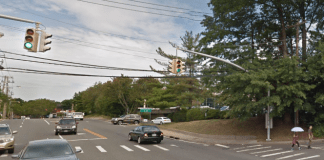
{"points": [[153, 135]]}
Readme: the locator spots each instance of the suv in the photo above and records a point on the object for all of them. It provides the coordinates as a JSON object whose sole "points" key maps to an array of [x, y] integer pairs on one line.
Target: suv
{"points": [[130, 118], [7, 140], [66, 125]]}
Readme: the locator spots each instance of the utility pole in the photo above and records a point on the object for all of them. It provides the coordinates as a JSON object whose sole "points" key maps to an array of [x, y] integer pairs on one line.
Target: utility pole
{"points": [[297, 54], [6, 92]]}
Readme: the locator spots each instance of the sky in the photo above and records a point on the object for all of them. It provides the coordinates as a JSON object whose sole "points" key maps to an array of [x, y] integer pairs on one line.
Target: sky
{"points": [[115, 33]]}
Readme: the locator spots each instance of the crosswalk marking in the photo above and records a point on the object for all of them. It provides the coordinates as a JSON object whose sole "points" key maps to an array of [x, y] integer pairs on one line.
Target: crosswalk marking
{"points": [[294, 155], [247, 147], [309, 157], [253, 149], [273, 154], [101, 149], [173, 145], [267, 151], [311, 147], [161, 148], [78, 147], [142, 148], [219, 145], [128, 149]]}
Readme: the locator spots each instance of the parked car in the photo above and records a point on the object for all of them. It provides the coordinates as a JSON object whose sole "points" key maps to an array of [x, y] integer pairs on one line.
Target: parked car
{"points": [[7, 140], [66, 125], [58, 149], [130, 118], [146, 133], [78, 115], [27, 117], [161, 120]]}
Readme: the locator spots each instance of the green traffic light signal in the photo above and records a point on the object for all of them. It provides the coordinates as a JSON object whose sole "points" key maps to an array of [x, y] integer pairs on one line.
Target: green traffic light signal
{"points": [[178, 70], [28, 45]]}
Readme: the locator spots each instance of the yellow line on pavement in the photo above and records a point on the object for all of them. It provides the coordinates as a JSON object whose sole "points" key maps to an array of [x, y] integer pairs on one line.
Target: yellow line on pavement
{"points": [[96, 134]]}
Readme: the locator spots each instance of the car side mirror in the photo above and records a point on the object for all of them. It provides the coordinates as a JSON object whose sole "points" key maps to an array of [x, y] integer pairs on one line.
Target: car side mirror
{"points": [[14, 132], [16, 156], [78, 150]]}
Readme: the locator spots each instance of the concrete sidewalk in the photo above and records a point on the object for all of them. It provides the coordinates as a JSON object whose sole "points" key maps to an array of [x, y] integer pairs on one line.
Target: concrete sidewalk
{"points": [[221, 139]]}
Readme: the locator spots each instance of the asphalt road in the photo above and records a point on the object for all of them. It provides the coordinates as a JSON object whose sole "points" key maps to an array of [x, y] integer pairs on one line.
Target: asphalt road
{"points": [[101, 140]]}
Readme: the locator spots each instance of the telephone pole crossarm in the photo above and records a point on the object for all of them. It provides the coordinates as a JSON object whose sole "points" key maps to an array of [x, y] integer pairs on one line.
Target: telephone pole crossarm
{"points": [[216, 58]]}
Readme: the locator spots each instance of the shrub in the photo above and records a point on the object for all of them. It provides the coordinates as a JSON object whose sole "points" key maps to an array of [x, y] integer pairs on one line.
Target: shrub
{"points": [[213, 114], [195, 114], [180, 116], [318, 131], [222, 114]]}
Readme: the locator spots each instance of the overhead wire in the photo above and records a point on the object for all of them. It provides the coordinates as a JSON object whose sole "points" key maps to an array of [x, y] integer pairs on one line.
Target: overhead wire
{"points": [[104, 33], [153, 8], [168, 6], [140, 10]]}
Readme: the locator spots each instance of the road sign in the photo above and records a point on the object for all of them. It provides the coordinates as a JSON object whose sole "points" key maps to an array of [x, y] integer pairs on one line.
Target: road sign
{"points": [[145, 110]]}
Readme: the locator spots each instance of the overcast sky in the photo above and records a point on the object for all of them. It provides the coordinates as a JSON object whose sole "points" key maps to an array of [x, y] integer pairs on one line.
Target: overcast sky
{"points": [[114, 37]]}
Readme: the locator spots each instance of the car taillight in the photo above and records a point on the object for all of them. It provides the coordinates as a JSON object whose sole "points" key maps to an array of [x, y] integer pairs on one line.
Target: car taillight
{"points": [[161, 134], [145, 135]]}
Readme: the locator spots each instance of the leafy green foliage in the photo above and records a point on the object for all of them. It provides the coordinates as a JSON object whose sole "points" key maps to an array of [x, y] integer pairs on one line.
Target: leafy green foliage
{"points": [[213, 114], [195, 114]]}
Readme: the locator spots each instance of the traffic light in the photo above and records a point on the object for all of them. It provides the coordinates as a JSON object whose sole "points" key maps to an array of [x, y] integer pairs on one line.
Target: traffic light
{"points": [[180, 66], [31, 40], [173, 66], [43, 42]]}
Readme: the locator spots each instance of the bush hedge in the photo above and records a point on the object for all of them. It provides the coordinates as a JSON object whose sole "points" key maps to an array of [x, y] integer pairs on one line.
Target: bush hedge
{"points": [[195, 114], [213, 114], [180, 116]]}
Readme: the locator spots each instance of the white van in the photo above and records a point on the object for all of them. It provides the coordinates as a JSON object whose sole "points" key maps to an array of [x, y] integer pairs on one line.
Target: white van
{"points": [[22, 117], [78, 115]]}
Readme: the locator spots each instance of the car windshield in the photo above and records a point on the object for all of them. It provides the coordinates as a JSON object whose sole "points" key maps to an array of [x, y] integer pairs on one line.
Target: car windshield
{"points": [[122, 116], [146, 129], [47, 150], [4, 131], [79, 113], [67, 121]]}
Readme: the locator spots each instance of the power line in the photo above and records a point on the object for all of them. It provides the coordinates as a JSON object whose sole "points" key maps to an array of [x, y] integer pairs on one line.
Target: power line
{"points": [[167, 6], [69, 41], [153, 8], [21, 70], [104, 33], [139, 10]]}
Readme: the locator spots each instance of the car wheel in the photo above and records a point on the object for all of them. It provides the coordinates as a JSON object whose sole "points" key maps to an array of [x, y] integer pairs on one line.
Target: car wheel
{"points": [[56, 133], [11, 150], [130, 137], [139, 141], [120, 122], [135, 122], [159, 141], [75, 133]]}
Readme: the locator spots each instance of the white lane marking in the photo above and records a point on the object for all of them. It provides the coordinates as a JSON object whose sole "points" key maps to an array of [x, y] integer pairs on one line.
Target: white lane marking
{"points": [[20, 126], [268, 155], [81, 133], [219, 145], [266, 151], [78, 147], [85, 139], [142, 148], [289, 156], [47, 122], [309, 157], [254, 146], [4, 155], [101, 149], [128, 149], [311, 147], [60, 136], [173, 145], [253, 149], [161, 148]]}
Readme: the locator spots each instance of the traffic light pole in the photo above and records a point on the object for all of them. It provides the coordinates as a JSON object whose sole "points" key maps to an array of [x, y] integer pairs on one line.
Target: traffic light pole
{"points": [[213, 57], [20, 19]]}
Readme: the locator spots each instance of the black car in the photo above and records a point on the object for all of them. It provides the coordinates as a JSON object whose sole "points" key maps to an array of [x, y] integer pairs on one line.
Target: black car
{"points": [[58, 149], [66, 125], [146, 133]]}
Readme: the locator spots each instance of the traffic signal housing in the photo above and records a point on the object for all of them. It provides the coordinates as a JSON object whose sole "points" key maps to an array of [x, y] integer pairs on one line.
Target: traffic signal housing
{"points": [[31, 40], [43, 42], [172, 68], [180, 66]]}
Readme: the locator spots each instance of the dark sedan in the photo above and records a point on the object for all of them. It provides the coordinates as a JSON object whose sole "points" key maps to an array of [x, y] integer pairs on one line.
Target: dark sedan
{"points": [[66, 125], [146, 133], [58, 149]]}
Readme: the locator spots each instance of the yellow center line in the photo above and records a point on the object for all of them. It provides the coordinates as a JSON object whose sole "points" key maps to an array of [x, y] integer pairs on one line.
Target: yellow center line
{"points": [[96, 134]]}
